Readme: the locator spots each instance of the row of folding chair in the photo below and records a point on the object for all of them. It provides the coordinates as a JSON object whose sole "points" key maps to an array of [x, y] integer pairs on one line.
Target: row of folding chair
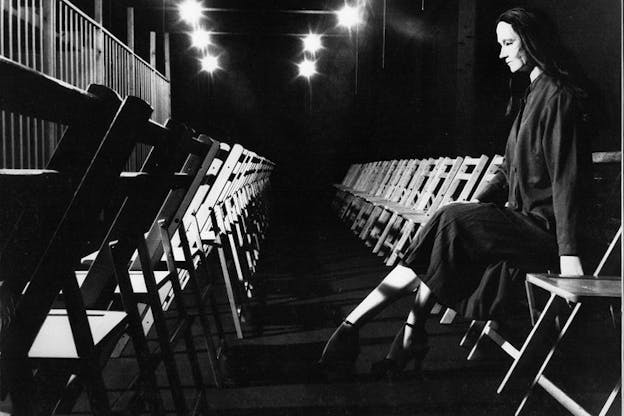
{"points": [[389, 201], [386, 210], [57, 343]]}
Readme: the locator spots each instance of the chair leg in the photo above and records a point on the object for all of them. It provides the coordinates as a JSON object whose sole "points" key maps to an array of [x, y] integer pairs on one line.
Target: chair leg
{"points": [[370, 221], [611, 398], [385, 232], [228, 285], [473, 328], [199, 302], [161, 329], [553, 390], [405, 232], [530, 300], [185, 320], [537, 345], [448, 317], [147, 378]]}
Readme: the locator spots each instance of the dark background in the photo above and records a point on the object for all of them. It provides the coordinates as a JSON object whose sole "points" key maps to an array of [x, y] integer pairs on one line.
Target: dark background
{"points": [[409, 107]]}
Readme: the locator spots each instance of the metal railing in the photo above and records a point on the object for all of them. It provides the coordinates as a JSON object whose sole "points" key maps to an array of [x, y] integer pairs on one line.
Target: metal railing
{"points": [[58, 39]]}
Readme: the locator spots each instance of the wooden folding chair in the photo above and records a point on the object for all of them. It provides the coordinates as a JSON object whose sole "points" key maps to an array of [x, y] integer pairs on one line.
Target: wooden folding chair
{"points": [[386, 214], [204, 221], [360, 202], [567, 296], [390, 175], [427, 203], [146, 284], [360, 173], [23, 338], [392, 194], [371, 175]]}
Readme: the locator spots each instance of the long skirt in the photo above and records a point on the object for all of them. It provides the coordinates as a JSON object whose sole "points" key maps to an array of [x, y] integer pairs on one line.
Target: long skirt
{"points": [[472, 255]]}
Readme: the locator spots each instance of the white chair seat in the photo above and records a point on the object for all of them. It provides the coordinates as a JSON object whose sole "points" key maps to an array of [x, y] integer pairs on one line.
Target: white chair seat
{"points": [[55, 339]]}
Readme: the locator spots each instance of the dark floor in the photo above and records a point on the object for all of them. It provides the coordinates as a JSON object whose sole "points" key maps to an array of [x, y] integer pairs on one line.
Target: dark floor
{"points": [[313, 271]]}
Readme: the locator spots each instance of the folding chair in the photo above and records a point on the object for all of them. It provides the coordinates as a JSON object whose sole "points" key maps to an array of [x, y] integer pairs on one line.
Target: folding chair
{"points": [[371, 174], [23, 338], [146, 284], [392, 194], [567, 296], [359, 203], [387, 209], [204, 220], [390, 176], [426, 205]]}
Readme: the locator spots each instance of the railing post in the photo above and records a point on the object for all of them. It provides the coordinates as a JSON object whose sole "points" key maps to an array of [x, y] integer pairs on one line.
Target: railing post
{"points": [[153, 93], [48, 39], [99, 33], [130, 37], [167, 96]]}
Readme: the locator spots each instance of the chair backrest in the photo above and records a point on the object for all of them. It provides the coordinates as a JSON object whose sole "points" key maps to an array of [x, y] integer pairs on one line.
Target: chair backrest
{"points": [[465, 180], [143, 207], [366, 181], [388, 176], [493, 167], [88, 115], [351, 173], [179, 200], [431, 197], [386, 190], [426, 169], [395, 191]]}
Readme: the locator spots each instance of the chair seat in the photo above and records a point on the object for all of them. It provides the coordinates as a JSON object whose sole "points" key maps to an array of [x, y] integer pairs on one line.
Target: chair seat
{"points": [[576, 288], [378, 200], [165, 290], [55, 339], [415, 216]]}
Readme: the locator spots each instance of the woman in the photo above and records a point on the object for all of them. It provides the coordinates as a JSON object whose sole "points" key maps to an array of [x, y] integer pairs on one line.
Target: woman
{"points": [[537, 228]]}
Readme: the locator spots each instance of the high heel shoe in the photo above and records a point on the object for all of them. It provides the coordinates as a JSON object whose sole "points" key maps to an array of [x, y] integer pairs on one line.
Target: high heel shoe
{"points": [[338, 358], [401, 356]]}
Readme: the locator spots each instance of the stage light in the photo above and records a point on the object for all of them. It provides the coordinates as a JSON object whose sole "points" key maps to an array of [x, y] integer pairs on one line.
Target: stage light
{"points": [[307, 68], [200, 38], [190, 11], [349, 16], [210, 63], [312, 43]]}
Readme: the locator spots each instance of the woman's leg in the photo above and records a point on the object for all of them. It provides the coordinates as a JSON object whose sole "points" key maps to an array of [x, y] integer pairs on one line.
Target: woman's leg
{"points": [[410, 343], [342, 347], [414, 336], [399, 282]]}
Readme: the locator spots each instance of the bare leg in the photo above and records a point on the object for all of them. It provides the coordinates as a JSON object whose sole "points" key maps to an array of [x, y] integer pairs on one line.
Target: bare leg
{"points": [[399, 282], [414, 334], [342, 347], [410, 343]]}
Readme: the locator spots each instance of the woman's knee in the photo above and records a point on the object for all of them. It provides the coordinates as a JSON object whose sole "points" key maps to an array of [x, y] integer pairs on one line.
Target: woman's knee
{"points": [[401, 278]]}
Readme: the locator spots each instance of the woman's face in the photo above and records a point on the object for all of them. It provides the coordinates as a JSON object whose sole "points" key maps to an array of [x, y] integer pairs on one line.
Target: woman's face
{"points": [[512, 50]]}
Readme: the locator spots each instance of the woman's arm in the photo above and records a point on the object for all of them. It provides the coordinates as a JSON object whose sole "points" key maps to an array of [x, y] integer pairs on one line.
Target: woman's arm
{"points": [[562, 153]]}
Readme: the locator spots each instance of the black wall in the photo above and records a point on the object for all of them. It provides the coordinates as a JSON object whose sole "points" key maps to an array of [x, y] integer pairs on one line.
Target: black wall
{"points": [[403, 102]]}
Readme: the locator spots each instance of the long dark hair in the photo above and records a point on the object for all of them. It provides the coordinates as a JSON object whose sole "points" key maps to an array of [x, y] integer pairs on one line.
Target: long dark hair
{"points": [[543, 47], [539, 40]]}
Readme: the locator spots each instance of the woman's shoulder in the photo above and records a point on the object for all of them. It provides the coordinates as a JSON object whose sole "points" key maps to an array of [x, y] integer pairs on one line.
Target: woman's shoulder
{"points": [[561, 91]]}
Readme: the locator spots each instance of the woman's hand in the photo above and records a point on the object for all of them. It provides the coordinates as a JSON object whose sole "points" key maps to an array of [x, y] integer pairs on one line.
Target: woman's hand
{"points": [[570, 266]]}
